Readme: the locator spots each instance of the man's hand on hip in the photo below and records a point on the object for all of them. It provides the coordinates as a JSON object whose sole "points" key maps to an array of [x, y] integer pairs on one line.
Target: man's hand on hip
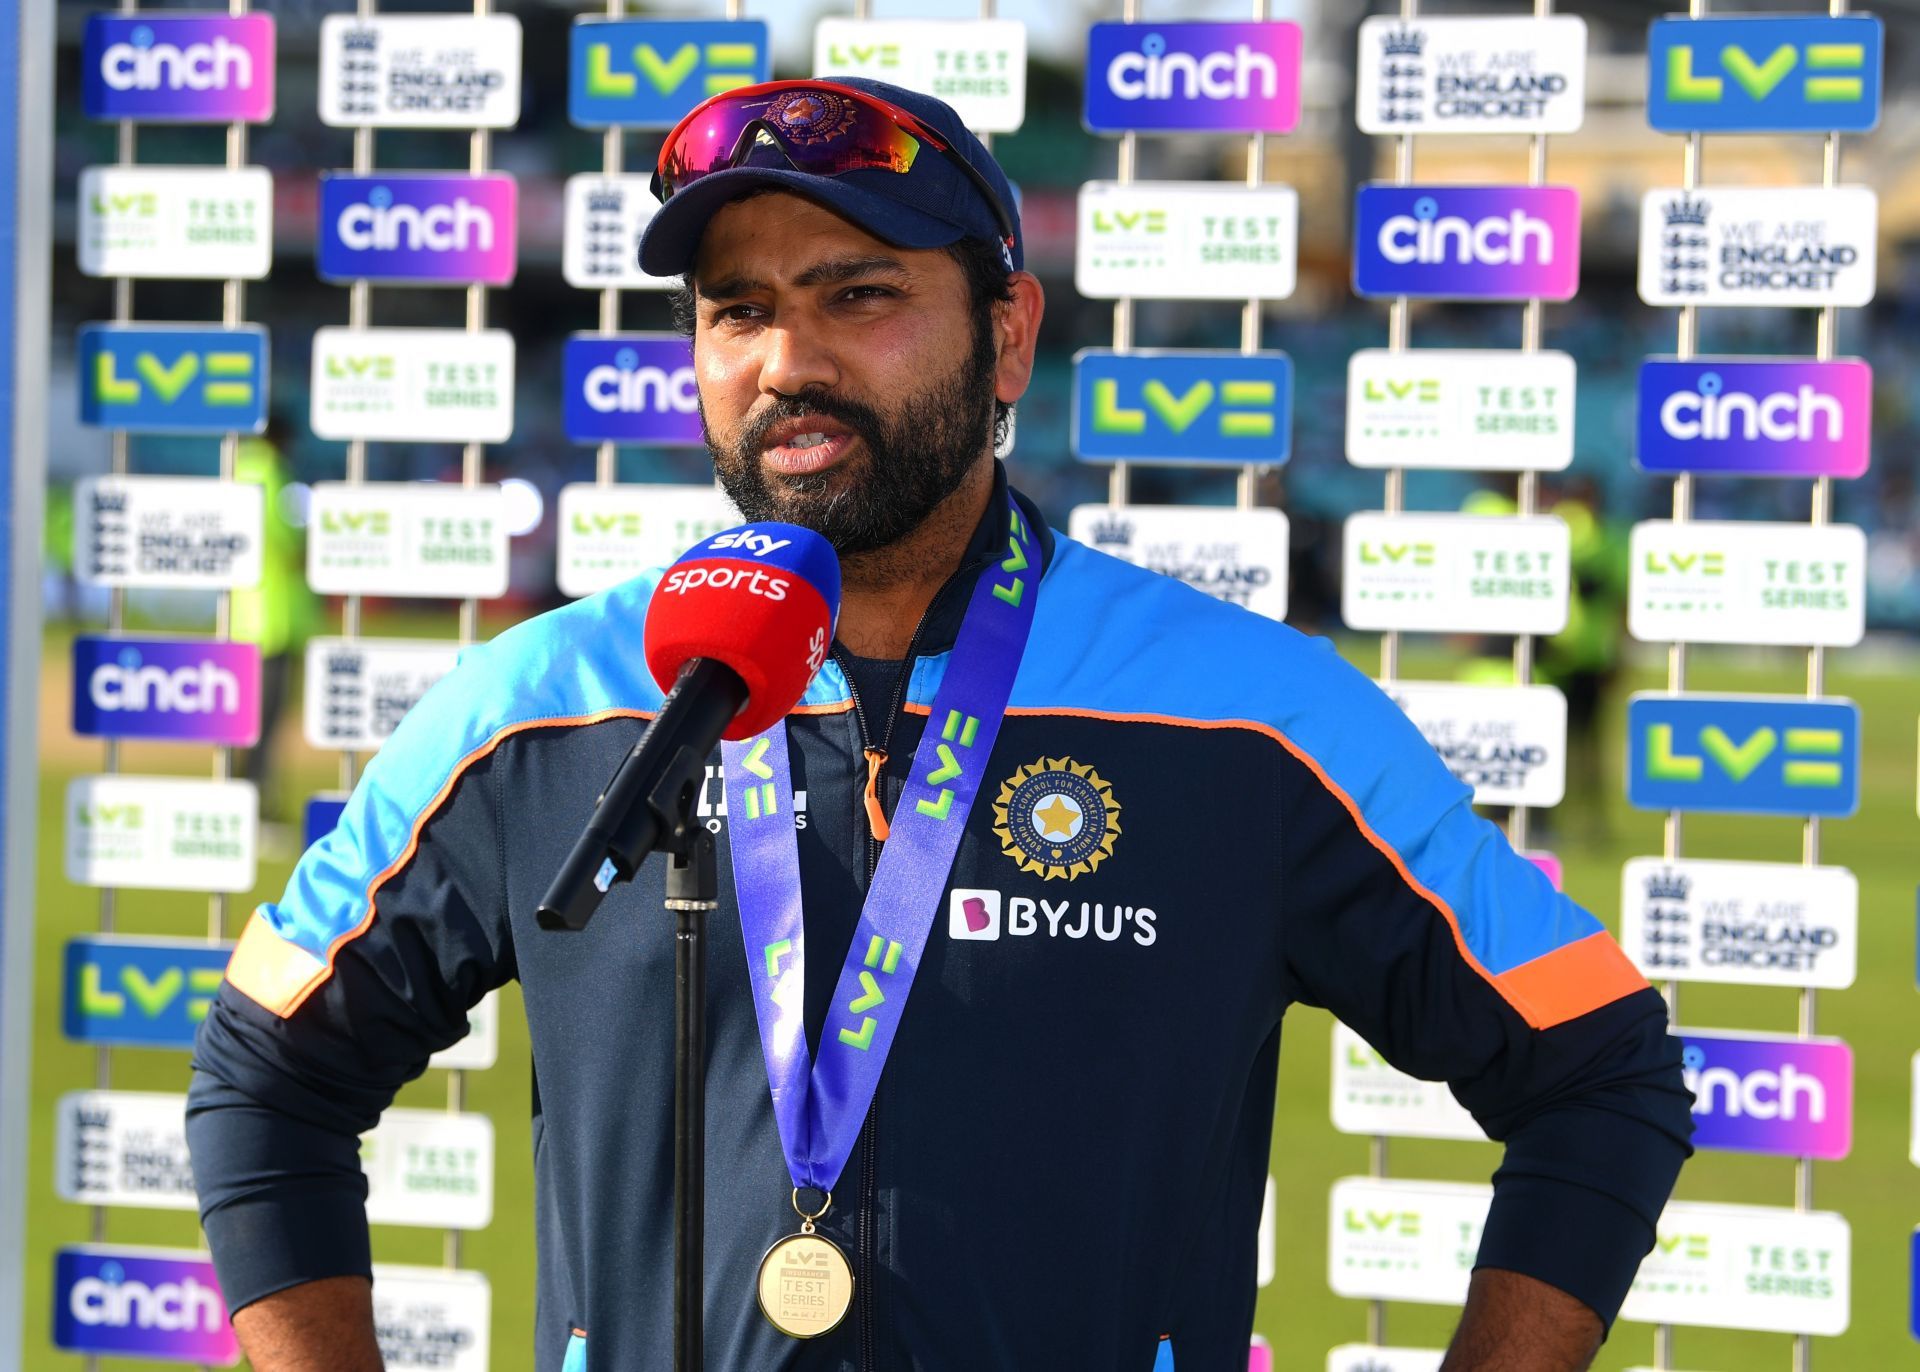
{"points": [[317, 1326], [1515, 1323]]}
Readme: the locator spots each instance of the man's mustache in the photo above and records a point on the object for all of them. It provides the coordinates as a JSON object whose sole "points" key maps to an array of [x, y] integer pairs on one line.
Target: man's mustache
{"points": [[859, 418]]}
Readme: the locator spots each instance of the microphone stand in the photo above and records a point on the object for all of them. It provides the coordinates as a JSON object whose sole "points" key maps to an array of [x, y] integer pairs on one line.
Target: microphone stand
{"points": [[692, 892]]}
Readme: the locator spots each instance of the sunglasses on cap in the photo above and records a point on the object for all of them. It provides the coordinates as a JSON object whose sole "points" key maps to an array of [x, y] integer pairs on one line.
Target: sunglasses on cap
{"points": [[820, 129]]}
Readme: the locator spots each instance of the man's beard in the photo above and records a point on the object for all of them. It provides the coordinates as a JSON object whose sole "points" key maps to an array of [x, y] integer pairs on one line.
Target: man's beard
{"points": [[911, 460]]}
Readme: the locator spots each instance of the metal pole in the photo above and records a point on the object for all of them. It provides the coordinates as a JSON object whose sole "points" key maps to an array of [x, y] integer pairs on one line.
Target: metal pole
{"points": [[1126, 167], [1247, 485], [612, 161], [359, 316]]}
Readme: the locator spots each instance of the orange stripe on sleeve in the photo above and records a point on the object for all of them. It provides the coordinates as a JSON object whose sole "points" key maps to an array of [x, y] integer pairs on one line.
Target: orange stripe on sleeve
{"points": [[1572, 980]]}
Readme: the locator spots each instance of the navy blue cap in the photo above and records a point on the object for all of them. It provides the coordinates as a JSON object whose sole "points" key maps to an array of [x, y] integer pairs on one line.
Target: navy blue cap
{"points": [[931, 205]]}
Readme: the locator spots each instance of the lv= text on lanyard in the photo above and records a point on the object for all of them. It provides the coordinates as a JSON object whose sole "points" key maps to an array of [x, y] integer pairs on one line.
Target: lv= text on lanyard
{"points": [[805, 1284]]}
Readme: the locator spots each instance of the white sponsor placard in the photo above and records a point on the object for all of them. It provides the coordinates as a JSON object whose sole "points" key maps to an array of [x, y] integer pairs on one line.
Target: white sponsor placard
{"points": [[609, 534], [123, 1148], [420, 538], [1263, 1256], [1743, 923], [1507, 742], [1239, 556], [413, 385], [161, 833], [1404, 1240], [420, 71], [1757, 1267], [1472, 75], [480, 1049], [1373, 1357], [978, 66], [180, 532], [1478, 409], [1913, 1128], [430, 1317], [1186, 240], [429, 1167], [1750, 245], [199, 222], [1745, 581], [600, 248], [1372, 1096], [1449, 573], [359, 688]]}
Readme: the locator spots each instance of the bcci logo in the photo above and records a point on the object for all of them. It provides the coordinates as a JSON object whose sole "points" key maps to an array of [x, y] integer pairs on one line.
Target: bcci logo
{"points": [[1056, 818]]}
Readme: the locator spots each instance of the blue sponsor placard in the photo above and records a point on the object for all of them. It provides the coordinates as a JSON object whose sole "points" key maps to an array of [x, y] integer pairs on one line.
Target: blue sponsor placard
{"points": [[647, 73], [141, 1302], [1913, 1269], [173, 378], [1761, 755], [147, 992], [420, 227], [321, 817], [1199, 407], [199, 68], [1217, 77], [631, 388], [1467, 242], [1786, 73]]}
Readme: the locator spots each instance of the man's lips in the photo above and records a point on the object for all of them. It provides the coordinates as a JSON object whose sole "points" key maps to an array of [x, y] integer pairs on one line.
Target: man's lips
{"points": [[780, 454]]}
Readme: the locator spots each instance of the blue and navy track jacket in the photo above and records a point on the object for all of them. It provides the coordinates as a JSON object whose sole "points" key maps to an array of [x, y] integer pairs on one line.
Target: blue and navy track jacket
{"points": [[1065, 1159]]}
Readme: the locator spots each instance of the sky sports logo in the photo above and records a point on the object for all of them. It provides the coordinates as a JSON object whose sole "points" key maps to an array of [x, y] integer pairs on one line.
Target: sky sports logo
{"points": [[154, 1303], [177, 378], [1743, 754], [1218, 77], [631, 388], [1467, 242], [1759, 1094], [1224, 407], [647, 73], [215, 69], [178, 690], [424, 229], [1787, 73], [1756, 418]]}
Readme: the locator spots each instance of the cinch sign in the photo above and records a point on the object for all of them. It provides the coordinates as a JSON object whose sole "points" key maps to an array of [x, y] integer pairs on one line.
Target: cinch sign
{"points": [[201, 68], [1773, 755], [421, 228], [142, 1302], [1185, 78], [1755, 418], [631, 388], [1467, 242], [1787, 73], [176, 378], [181, 690], [1200, 407], [647, 73], [144, 992], [1755, 1093]]}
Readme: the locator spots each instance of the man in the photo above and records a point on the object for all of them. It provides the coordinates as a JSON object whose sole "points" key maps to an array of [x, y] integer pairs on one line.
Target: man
{"points": [[1189, 818]]}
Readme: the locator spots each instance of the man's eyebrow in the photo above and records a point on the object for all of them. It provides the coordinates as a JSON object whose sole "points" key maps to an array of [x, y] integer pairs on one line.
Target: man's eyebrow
{"points": [[841, 269]]}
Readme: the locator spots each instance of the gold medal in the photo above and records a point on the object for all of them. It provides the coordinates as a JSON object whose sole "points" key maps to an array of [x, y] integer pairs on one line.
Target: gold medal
{"points": [[806, 1283]]}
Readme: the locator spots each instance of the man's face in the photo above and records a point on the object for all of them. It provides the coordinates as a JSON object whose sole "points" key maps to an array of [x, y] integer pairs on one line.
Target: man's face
{"points": [[845, 384]]}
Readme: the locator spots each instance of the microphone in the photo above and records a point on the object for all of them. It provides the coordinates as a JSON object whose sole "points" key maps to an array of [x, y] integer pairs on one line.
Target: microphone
{"points": [[735, 631]]}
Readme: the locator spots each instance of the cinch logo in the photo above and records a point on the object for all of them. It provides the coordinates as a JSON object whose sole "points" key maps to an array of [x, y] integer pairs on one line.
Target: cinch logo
{"points": [[174, 380], [142, 64], [1227, 77], [1428, 236], [647, 73], [1757, 1094], [150, 1303], [1744, 755], [460, 226], [628, 386], [1182, 406], [1756, 418], [165, 688], [631, 388], [1786, 73], [212, 68], [149, 992], [421, 227], [1713, 412], [1467, 242]]}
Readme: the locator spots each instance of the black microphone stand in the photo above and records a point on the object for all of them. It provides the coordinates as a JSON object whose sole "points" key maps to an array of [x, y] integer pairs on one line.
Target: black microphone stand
{"points": [[692, 892]]}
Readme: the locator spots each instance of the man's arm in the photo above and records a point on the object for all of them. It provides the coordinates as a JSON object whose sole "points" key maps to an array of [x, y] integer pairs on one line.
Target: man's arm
{"points": [[1513, 1323], [322, 1326]]}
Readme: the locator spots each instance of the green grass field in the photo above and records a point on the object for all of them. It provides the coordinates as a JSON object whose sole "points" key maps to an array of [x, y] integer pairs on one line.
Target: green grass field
{"points": [[1593, 833]]}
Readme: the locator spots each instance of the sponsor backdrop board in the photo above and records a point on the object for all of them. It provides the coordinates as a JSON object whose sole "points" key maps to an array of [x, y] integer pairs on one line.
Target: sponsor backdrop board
{"points": [[1509, 743], [1404, 1240], [413, 385], [407, 539], [600, 243], [1239, 556], [358, 689], [610, 533], [139, 992], [1742, 923], [1188, 78], [420, 71], [173, 378], [631, 388], [1746, 581], [186, 533], [1472, 75], [161, 833], [1373, 1357], [1451, 573], [205, 223], [182, 690], [159, 1303], [647, 73], [1755, 417], [430, 1317], [1189, 407], [1752, 245], [1773, 755], [1372, 1096], [1774, 73], [178, 68], [1754, 1267], [1765, 1093], [429, 1168], [1482, 409], [978, 66], [1186, 240], [123, 1148], [1467, 242]]}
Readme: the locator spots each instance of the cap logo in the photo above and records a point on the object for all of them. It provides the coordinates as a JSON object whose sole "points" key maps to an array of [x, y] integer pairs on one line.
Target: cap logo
{"points": [[812, 116]]}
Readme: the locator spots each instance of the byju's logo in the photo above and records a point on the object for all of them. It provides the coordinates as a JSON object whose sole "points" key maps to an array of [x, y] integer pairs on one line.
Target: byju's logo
{"points": [[1227, 77], [215, 69], [647, 73], [173, 379], [1798, 418], [1765, 74], [151, 993], [973, 915], [1757, 1094], [174, 689], [1223, 407], [631, 388], [1743, 754], [425, 228], [1467, 242], [152, 1303]]}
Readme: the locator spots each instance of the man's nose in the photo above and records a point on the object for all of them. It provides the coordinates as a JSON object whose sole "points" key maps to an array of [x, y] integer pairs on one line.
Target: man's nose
{"points": [[795, 359]]}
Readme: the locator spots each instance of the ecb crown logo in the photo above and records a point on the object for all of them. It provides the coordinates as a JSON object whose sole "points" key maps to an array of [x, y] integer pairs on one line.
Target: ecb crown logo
{"points": [[647, 73], [1774, 73]]}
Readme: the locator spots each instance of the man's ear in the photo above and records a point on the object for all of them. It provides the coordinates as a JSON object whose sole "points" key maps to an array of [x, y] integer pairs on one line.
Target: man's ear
{"points": [[1016, 329]]}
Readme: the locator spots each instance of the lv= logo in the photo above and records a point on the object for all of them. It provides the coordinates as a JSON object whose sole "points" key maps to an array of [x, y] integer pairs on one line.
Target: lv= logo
{"points": [[883, 955]]}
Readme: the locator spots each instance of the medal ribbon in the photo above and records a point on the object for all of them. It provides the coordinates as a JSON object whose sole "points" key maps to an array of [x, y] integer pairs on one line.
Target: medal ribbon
{"points": [[819, 1106]]}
